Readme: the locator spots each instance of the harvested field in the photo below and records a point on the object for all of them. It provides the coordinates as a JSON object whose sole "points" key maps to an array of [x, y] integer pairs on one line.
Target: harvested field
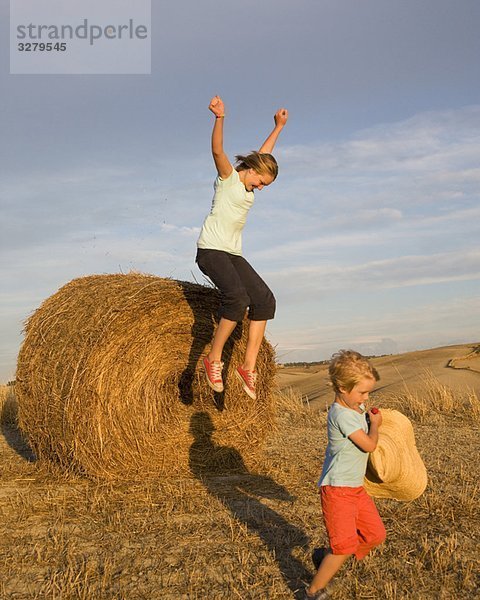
{"points": [[246, 534], [398, 373]]}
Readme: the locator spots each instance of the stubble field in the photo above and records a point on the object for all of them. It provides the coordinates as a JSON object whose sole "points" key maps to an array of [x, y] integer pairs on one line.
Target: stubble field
{"points": [[249, 535]]}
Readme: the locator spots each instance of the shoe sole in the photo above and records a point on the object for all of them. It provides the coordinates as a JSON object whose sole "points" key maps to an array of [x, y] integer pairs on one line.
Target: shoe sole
{"points": [[246, 389], [214, 386]]}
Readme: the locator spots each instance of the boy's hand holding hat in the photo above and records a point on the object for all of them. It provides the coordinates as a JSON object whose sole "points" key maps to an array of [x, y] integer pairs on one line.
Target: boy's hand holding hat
{"points": [[395, 468]]}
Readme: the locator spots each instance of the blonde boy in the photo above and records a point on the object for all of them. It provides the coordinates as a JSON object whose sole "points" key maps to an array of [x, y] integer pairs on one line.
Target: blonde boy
{"points": [[350, 515]]}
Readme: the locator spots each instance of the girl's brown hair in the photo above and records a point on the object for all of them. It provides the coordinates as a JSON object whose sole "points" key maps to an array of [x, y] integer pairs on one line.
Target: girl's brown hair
{"points": [[261, 162]]}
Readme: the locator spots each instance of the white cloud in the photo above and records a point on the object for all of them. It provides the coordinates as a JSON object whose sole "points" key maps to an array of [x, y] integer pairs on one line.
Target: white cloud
{"points": [[420, 145], [390, 273], [189, 231]]}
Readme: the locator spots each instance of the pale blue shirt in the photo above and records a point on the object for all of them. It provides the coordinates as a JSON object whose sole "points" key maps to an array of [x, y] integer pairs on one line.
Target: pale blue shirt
{"points": [[222, 228], [345, 464]]}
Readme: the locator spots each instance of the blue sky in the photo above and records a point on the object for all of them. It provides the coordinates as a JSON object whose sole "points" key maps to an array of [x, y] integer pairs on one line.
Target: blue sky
{"points": [[369, 236]]}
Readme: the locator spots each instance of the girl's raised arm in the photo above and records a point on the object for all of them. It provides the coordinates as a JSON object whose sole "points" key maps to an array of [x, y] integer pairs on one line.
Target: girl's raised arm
{"points": [[224, 167], [280, 118]]}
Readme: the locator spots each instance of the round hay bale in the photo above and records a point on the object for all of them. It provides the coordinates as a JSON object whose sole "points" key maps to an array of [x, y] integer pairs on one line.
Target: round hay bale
{"points": [[109, 379]]}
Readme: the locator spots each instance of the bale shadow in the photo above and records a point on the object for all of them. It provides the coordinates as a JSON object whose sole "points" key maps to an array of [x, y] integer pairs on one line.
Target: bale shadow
{"points": [[203, 328], [12, 434], [239, 491]]}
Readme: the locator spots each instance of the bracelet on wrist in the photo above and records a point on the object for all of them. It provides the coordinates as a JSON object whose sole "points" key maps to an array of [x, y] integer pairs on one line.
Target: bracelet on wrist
{"points": [[219, 116]]}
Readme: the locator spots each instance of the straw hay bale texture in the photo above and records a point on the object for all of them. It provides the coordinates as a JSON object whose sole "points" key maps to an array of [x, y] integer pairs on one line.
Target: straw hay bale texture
{"points": [[109, 381]]}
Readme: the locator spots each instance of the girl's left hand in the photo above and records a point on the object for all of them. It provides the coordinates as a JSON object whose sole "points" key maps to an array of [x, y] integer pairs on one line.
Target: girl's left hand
{"points": [[281, 117]]}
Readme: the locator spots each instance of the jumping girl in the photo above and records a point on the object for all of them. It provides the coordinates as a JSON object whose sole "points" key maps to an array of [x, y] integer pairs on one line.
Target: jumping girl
{"points": [[219, 254]]}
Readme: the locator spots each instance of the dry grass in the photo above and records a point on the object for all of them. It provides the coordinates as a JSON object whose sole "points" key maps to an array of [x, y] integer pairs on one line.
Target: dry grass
{"points": [[242, 534], [436, 398], [473, 406]]}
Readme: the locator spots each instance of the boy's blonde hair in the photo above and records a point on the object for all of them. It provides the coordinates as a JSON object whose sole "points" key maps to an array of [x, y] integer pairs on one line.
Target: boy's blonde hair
{"points": [[347, 368], [261, 162]]}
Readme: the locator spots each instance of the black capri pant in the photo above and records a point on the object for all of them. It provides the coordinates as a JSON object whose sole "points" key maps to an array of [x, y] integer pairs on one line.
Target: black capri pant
{"points": [[240, 286]]}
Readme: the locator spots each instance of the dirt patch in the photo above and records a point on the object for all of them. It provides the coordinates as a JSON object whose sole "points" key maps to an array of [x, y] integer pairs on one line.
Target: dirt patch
{"points": [[470, 362]]}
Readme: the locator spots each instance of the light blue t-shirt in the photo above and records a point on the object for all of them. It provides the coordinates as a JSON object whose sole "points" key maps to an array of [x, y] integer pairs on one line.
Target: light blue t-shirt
{"points": [[345, 464], [222, 228]]}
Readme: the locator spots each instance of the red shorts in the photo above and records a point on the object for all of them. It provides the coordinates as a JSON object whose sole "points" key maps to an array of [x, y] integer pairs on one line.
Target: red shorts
{"points": [[352, 520]]}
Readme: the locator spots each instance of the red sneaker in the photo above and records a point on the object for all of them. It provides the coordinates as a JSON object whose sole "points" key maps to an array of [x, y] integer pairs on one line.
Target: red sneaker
{"points": [[213, 371], [248, 379]]}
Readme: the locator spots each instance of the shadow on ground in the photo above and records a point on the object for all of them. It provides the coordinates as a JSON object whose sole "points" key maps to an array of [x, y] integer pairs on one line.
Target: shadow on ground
{"points": [[9, 428], [240, 491]]}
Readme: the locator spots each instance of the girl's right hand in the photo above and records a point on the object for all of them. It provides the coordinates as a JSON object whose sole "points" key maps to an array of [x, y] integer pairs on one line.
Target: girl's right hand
{"points": [[281, 117], [217, 107]]}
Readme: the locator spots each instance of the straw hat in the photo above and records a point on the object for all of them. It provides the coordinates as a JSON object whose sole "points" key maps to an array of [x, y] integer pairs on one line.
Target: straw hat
{"points": [[395, 469]]}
